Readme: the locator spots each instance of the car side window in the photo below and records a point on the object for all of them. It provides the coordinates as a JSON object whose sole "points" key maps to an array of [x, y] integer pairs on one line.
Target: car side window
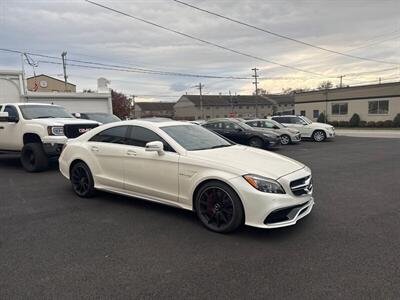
{"points": [[297, 120], [280, 119], [230, 125], [253, 124], [114, 135], [12, 111], [266, 124], [140, 136]]}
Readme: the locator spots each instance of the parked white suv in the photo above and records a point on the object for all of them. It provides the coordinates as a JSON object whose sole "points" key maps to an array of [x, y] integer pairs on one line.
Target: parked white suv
{"points": [[308, 129], [38, 132]]}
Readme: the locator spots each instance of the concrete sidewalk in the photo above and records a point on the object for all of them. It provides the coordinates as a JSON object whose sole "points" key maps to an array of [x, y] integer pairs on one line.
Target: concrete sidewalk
{"points": [[373, 133]]}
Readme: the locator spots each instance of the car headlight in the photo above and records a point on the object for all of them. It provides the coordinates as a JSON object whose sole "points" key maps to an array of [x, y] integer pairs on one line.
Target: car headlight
{"points": [[55, 130], [263, 184]]}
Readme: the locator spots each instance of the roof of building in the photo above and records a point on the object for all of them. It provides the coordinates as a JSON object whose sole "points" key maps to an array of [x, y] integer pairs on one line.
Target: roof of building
{"points": [[225, 100], [152, 106], [358, 87], [33, 77]]}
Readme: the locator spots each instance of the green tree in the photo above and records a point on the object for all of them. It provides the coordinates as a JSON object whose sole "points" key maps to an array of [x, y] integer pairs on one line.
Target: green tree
{"points": [[322, 118], [355, 121], [396, 121], [325, 85]]}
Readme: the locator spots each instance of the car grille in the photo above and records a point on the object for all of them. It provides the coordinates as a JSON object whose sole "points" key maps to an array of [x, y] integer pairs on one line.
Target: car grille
{"points": [[75, 130], [286, 214], [302, 186]]}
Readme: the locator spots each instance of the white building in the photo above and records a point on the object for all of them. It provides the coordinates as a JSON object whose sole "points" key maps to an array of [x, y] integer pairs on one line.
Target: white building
{"points": [[13, 88]]}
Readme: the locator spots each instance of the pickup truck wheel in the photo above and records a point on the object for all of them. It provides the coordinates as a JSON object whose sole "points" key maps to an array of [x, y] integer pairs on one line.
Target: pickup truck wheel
{"points": [[33, 158], [82, 180]]}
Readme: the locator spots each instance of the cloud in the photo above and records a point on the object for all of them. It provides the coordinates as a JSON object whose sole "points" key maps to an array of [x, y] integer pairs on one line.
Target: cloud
{"points": [[90, 33]]}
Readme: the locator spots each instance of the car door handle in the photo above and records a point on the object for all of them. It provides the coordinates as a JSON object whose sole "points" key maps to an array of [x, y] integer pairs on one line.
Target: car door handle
{"points": [[131, 153], [94, 149], [1, 127]]}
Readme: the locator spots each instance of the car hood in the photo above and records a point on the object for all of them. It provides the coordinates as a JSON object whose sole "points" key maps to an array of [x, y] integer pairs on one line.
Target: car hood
{"points": [[319, 125], [61, 121], [249, 160]]}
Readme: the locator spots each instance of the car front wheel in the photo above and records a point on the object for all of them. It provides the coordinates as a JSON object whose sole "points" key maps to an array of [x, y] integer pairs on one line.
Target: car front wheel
{"points": [[285, 139], [319, 136], [256, 142], [218, 207], [82, 180]]}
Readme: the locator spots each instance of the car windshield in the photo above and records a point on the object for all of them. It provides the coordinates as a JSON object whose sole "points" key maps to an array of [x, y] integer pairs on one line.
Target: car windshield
{"points": [[194, 137], [102, 117], [307, 120], [43, 111], [245, 126]]}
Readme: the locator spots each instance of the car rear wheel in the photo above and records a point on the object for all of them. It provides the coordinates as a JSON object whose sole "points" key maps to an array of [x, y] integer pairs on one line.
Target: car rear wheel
{"points": [[33, 157], [319, 136], [82, 180], [285, 139], [256, 142], [219, 208]]}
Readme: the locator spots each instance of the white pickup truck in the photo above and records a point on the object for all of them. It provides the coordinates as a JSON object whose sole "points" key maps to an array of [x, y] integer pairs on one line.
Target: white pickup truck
{"points": [[38, 132]]}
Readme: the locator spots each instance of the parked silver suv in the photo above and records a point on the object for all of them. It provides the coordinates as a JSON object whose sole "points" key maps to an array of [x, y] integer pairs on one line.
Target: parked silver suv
{"points": [[288, 135]]}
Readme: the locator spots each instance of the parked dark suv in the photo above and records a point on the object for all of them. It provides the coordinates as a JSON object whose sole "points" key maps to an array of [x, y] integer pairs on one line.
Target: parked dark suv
{"points": [[242, 133]]}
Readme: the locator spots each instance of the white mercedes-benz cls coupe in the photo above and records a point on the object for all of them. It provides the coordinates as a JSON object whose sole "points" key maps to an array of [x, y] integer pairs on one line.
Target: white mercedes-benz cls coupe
{"points": [[190, 167]]}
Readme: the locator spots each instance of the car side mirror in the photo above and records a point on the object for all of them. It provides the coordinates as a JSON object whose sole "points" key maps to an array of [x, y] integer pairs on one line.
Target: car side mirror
{"points": [[276, 127], [155, 146], [239, 129], [3, 116]]}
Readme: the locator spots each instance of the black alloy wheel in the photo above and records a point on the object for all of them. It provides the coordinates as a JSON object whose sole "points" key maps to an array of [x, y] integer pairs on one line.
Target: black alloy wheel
{"points": [[219, 208], [82, 180], [256, 142]]}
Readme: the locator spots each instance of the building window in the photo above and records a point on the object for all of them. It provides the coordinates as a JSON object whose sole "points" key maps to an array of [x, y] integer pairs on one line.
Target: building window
{"points": [[378, 107], [247, 107], [240, 107], [302, 113], [207, 107], [339, 109], [315, 113], [262, 106], [217, 116]]}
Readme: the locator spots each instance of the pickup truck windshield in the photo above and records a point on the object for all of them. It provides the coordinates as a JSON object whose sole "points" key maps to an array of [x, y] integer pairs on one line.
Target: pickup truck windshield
{"points": [[43, 111]]}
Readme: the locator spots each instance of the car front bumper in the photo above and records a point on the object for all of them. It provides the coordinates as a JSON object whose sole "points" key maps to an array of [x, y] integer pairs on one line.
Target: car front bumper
{"points": [[266, 210]]}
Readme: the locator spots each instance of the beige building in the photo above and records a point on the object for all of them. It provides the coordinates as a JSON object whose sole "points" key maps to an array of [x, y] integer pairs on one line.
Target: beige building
{"points": [[190, 107], [154, 109], [44, 83], [378, 102]]}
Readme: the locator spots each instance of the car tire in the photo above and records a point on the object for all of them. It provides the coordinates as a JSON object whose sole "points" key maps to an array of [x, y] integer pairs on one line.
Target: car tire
{"points": [[285, 139], [218, 207], [82, 180], [319, 136], [33, 157], [256, 142]]}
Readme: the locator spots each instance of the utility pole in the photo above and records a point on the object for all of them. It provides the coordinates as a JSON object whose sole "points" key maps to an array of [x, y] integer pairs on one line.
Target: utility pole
{"points": [[230, 97], [64, 62], [380, 80], [200, 87], [341, 80], [255, 82]]}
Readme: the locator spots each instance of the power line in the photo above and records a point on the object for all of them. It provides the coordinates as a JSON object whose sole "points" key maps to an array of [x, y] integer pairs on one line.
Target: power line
{"points": [[281, 35], [204, 41]]}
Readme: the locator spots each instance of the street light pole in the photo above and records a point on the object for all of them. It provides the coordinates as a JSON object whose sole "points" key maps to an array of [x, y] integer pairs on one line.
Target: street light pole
{"points": [[200, 87], [64, 62]]}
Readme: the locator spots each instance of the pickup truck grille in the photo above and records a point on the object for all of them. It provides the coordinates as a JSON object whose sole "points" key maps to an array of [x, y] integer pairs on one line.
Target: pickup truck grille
{"points": [[74, 130], [302, 186]]}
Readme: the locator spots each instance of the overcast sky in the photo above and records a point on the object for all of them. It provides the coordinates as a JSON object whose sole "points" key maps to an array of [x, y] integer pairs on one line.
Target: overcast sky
{"points": [[366, 28]]}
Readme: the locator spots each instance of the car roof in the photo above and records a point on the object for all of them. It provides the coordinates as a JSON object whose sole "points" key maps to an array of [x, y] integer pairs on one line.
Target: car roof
{"points": [[164, 123]]}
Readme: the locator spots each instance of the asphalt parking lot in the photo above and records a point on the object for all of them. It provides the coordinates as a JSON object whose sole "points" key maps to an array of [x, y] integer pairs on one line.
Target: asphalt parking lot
{"points": [[56, 245]]}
